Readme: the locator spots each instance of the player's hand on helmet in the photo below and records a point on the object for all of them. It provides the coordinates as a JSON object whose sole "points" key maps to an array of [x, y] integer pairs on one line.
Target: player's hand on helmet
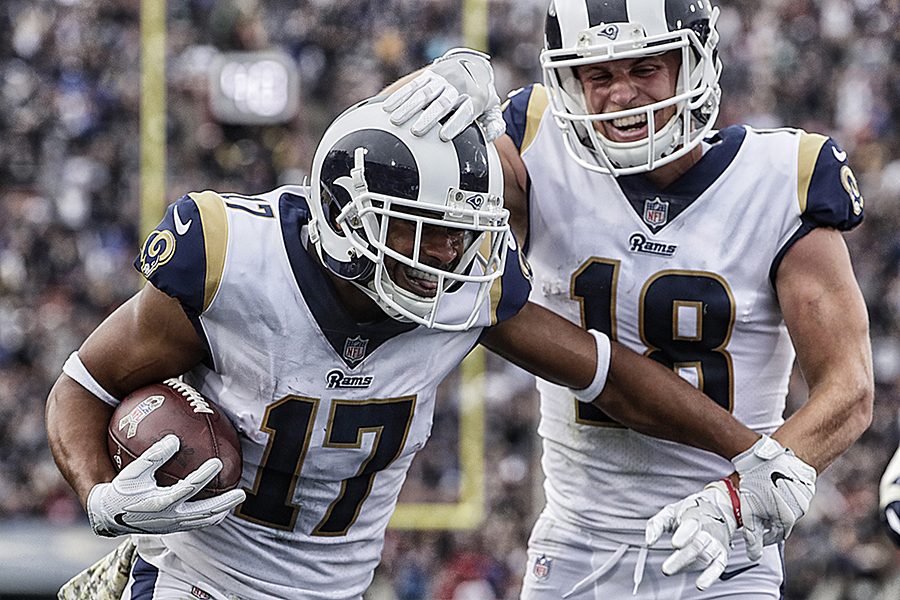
{"points": [[701, 525], [134, 503], [461, 81], [776, 489]]}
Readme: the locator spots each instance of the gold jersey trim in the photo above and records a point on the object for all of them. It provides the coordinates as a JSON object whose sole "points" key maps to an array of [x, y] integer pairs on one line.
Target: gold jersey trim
{"points": [[215, 236], [810, 146], [537, 105]]}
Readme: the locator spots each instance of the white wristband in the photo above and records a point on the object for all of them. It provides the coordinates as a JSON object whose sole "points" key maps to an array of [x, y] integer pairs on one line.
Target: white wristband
{"points": [[75, 369], [589, 393]]}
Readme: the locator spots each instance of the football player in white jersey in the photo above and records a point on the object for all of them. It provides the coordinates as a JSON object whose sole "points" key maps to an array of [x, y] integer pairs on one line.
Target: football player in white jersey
{"points": [[321, 320], [716, 253]]}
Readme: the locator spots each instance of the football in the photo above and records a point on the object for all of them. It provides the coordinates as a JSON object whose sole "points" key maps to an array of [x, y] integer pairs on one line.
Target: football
{"points": [[150, 413]]}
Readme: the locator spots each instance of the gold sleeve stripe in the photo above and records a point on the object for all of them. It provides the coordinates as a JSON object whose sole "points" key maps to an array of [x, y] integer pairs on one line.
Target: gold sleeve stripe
{"points": [[537, 104], [810, 146], [497, 286], [215, 236]]}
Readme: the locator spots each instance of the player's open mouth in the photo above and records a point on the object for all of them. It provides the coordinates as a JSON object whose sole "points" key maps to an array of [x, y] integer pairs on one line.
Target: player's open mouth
{"points": [[626, 129], [422, 283], [632, 122]]}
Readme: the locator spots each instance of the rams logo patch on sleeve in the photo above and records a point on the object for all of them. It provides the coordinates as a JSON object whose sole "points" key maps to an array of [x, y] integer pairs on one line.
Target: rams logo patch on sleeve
{"points": [[158, 249], [827, 188], [848, 180]]}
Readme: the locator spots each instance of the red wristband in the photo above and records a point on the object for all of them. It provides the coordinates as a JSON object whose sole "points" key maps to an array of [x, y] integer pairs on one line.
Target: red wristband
{"points": [[735, 501]]}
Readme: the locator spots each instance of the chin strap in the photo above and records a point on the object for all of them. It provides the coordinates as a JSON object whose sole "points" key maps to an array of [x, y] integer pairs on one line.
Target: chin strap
{"points": [[356, 186], [357, 173]]}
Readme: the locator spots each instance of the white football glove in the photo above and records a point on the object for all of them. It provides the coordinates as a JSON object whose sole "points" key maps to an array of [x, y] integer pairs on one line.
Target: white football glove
{"points": [[461, 81], [889, 490], [889, 497], [776, 488], [703, 524], [134, 503]]}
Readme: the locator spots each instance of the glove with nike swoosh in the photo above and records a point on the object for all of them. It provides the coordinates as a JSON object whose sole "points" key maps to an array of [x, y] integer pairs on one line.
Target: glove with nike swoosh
{"points": [[776, 489], [134, 503], [889, 497], [703, 524], [461, 81]]}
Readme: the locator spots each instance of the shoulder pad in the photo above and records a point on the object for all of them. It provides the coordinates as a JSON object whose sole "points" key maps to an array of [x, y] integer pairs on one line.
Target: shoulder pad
{"points": [[510, 293], [827, 189], [522, 112], [184, 256]]}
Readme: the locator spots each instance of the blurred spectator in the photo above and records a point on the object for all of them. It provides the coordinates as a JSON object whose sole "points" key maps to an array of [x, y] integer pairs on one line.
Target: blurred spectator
{"points": [[69, 210]]}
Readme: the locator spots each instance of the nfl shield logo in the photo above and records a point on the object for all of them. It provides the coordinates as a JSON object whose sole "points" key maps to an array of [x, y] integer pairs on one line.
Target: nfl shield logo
{"points": [[355, 349], [656, 212], [541, 568]]}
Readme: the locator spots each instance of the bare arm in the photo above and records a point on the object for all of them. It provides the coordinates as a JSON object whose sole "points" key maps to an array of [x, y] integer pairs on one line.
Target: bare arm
{"points": [[827, 319], [515, 182], [147, 339], [640, 393]]}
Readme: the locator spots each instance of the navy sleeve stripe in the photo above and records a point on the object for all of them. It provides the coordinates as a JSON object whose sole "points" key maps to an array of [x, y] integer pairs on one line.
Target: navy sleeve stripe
{"points": [[185, 255], [805, 227], [522, 113], [510, 293], [215, 233], [515, 113], [828, 192]]}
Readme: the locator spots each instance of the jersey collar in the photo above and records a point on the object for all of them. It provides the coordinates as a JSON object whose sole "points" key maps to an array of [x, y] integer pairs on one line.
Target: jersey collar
{"points": [[657, 208], [353, 342]]}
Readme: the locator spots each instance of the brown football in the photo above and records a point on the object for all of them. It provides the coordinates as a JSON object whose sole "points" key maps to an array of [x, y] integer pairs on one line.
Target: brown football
{"points": [[147, 415]]}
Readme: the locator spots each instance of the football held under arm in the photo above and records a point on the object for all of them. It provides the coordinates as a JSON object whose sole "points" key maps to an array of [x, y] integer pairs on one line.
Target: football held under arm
{"points": [[147, 339], [136, 345], [639, 393]]}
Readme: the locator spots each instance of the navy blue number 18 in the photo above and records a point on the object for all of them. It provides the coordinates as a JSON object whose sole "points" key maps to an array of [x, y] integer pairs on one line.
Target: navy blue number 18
{"points": [[685, 319]]}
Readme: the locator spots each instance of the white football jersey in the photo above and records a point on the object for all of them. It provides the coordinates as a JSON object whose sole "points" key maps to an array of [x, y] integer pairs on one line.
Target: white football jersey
{"points": [[330, 412], [684, 276]]}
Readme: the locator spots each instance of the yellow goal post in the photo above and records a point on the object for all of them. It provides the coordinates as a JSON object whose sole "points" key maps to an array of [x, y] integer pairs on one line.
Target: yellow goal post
{"points": [[468, 511]]}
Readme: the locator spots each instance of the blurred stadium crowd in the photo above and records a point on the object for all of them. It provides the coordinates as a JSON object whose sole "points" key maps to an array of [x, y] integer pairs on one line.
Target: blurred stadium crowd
{"points": [[69, 212]]}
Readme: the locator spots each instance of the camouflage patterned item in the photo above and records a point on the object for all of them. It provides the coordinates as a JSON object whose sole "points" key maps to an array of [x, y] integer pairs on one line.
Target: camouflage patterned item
{"points": [[104, 580]]}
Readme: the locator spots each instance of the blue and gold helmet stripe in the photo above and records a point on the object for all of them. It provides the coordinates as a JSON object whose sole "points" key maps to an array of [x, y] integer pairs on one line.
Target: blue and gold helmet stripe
{"points": [[215, 233]]}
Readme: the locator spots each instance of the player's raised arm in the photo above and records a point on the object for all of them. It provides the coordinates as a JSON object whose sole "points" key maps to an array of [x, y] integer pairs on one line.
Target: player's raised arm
{"points": [[637, 392]]}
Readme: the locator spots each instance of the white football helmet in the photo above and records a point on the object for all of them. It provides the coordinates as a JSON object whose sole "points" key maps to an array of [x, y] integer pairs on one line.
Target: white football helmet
{"points": [[367, 173], [583, 32]]}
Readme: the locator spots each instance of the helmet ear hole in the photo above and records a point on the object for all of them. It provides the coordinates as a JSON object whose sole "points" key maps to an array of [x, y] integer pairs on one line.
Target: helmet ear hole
{"points": [[332, 203]]}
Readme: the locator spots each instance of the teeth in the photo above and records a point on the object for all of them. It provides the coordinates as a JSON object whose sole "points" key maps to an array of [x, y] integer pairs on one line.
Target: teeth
{"points": [[630, 121], [422, 275]]}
